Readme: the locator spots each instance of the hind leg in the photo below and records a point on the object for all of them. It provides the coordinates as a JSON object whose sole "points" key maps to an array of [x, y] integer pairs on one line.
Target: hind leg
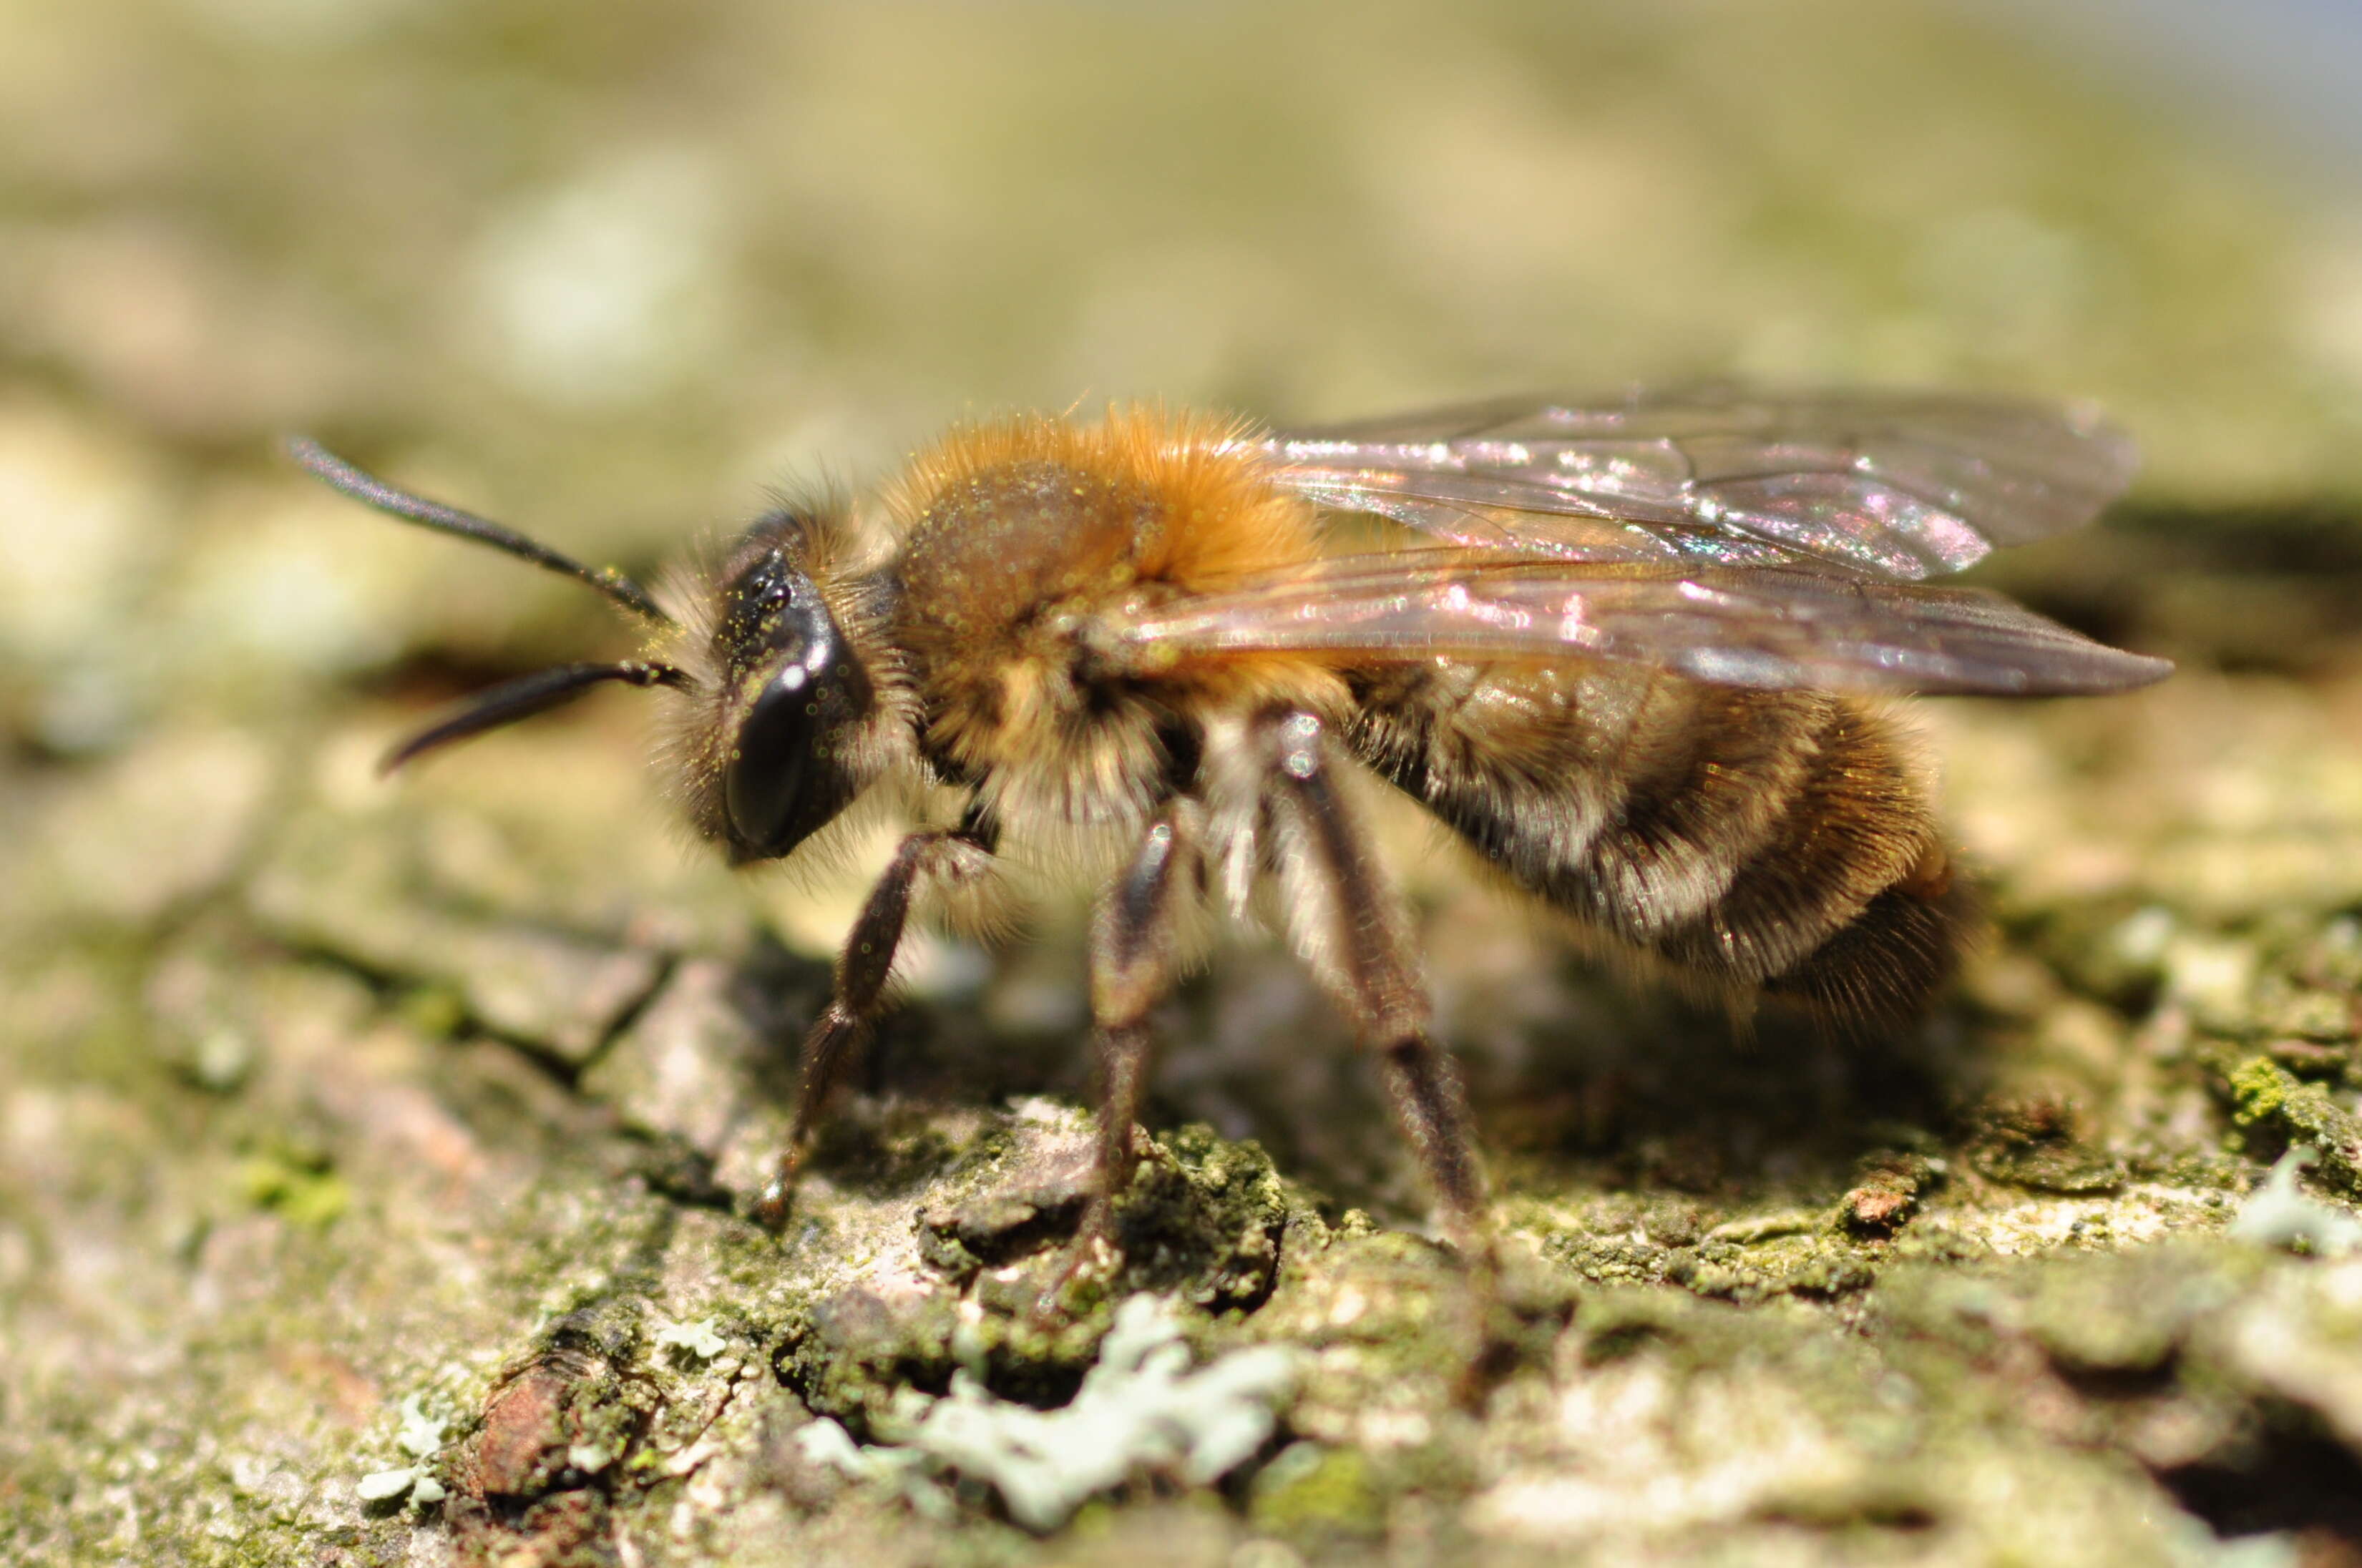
{"points": [[1348, 924]]}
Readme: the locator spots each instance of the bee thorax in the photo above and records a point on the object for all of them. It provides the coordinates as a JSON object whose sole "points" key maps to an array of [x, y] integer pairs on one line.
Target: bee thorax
{"points": [[1025, 548]]}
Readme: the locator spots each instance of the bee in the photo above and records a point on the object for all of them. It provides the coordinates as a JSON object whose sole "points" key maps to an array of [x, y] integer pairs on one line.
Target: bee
{"points": [[1630, 650]]}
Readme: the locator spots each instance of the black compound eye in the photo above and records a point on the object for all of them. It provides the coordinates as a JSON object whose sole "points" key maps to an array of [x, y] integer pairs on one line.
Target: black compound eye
{"points": [[784, 778], [768, 765]]}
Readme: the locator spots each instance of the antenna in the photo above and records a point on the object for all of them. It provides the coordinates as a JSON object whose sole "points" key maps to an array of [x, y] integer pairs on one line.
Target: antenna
{"points": [[371, 490], [524, 696]]}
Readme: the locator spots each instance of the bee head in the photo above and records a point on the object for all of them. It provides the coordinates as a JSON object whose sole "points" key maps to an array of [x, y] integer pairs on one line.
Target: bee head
{"points": [[793, 702], [779, 654]]}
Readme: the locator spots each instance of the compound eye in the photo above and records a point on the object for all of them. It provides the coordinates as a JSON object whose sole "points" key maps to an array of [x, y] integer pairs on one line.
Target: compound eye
{"points": [[766, 779], [784, 780]]}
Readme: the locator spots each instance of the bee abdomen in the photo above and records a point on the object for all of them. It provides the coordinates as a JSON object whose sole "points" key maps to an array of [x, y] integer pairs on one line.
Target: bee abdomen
{"points": [[1774, 842], [1851, 905]]}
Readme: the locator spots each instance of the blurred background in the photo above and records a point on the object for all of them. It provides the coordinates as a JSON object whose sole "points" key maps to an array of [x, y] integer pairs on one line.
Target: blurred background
{"points": [[606, 270]]}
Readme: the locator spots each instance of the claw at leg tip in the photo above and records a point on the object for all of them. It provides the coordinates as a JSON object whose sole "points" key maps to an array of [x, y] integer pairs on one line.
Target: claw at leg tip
{"points": [[772, 1209]]}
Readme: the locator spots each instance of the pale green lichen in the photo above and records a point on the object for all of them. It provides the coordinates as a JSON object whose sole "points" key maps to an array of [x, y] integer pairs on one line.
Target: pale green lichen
{"points": [[908, 1471], [420, 1433], [1141, 1409], [420, 1436], [2279, 1215], [697, 1339]]}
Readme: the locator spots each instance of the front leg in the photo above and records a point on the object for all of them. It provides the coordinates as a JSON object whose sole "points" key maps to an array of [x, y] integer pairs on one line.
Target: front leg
{"points": [[858, 996]]}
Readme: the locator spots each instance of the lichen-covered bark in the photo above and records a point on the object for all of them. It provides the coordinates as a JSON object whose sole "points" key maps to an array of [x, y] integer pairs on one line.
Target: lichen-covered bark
{"points": [[373, 1156]]}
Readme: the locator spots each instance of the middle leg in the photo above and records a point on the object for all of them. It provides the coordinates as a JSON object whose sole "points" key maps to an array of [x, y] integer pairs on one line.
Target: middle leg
{"points": [[1134, 954]]}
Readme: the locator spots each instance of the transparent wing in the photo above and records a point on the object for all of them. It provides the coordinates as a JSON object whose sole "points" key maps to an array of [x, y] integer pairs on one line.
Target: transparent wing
{"points": [[1888, 484], [1767, 627]]}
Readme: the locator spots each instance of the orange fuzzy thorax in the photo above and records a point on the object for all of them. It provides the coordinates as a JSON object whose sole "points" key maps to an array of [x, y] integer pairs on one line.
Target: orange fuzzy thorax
{"points": [[1215, 512], [1015, 536]]}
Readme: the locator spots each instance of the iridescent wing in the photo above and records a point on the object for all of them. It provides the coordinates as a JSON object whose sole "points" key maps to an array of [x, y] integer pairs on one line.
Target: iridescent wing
{"points": [[1887, 484], [1748, 625]]}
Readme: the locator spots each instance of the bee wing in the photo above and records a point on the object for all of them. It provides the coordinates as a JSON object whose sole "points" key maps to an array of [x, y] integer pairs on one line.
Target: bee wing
{"points": [[1888, 484], [1765, 627]]}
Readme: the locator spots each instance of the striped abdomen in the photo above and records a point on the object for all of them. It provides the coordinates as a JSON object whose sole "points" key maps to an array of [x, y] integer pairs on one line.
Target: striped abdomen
{"points": [[1781, 841]]}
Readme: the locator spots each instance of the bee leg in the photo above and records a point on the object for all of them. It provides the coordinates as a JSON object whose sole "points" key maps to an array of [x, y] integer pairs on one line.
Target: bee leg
{"points": [[1349, 926], [1134, 950], [842, 1028]]}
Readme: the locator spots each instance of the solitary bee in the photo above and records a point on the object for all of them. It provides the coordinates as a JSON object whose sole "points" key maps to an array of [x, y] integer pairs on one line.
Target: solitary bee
{"points": [[1625, 649]]}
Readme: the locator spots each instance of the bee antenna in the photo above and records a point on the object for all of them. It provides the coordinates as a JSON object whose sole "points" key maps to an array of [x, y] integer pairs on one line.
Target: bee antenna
{"points": [[524, 696], [371, 490]]}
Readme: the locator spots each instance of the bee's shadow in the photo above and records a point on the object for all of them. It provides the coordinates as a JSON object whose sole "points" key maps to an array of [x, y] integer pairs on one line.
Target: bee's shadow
{"points": [[1622, 1090], [1676, 1097], [1618, 1088]]}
